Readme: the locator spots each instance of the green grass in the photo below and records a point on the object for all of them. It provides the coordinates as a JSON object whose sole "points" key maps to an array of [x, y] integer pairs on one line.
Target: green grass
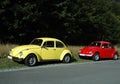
{"points": [[118, 48], [9, 64], [6, 63], [75, 50]]}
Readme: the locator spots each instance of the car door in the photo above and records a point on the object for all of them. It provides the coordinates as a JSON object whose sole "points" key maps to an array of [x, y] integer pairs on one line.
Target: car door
{"points": [[105, 50], [111, 50], [59, 49], [48, 50]]}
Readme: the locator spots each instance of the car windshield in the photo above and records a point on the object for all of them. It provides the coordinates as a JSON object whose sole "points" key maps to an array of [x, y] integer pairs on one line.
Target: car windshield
{"points": [[95, 44], [36, 42]]}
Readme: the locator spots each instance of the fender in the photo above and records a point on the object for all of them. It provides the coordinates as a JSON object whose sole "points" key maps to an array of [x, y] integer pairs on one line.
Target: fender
{"points": [[115, 52], [64, 53], [27, 52], [94, 51]]}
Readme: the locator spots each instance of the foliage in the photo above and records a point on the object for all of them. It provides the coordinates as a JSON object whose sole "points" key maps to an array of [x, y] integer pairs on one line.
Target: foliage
{"points": [[73, 21]]}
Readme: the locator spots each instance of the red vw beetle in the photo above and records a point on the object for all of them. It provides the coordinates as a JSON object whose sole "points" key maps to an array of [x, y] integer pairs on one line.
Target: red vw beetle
{"points": [[98, 50]]}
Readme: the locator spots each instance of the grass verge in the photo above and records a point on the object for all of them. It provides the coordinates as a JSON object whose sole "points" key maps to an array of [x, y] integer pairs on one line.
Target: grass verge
{"points": [[75, 50], [5, 63], [9, 64]]}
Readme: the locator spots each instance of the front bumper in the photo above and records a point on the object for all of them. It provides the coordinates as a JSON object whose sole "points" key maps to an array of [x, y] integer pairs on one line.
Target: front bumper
{"points": [[85, 55], [15, 59]]}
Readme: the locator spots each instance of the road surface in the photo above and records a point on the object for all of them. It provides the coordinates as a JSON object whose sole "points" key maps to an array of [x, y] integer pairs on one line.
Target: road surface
{"points": [[102, 72]]}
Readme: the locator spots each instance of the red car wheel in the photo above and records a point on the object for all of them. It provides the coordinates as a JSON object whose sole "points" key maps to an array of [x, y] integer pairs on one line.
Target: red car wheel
{"points": [[96, 57], [115, 57]]}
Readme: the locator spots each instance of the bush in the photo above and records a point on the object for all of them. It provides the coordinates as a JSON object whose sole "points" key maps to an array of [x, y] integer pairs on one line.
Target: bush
{"points": [[5, 48]]}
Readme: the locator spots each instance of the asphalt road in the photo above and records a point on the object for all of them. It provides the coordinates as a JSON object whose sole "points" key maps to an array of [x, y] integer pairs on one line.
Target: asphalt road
{"points": [[103, 72]]}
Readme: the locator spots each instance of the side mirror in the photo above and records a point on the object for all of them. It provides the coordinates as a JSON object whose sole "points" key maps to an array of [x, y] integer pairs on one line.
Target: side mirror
{"points": [[44, 47]]}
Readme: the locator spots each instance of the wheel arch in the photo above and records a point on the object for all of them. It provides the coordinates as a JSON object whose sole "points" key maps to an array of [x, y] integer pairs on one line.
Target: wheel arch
{"points": [[35, 54], [64, 53], [96, 52], [115, 53]]}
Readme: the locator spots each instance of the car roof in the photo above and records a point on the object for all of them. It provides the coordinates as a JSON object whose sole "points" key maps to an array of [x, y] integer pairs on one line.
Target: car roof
{"points": [[48, 38], [103, 42]]}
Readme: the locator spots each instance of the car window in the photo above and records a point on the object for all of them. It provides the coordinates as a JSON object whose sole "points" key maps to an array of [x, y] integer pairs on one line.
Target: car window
{"points": [[95, 44], [59, 44], [36, 42], [104, 45], [49, 44], [111, 46]]}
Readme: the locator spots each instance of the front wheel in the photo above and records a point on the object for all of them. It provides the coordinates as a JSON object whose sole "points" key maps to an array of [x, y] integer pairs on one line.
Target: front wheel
{"points": [[31, 60], [67, 58], [96, 57], [115, 57]]}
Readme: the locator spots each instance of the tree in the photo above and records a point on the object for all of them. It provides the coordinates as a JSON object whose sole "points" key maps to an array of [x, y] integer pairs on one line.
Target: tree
{"points": [[87, 20], [73, 21]]}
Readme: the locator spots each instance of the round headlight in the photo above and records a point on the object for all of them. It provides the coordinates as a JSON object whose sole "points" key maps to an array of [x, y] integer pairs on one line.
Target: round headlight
{"points": [[90, 52], [20, 53]]}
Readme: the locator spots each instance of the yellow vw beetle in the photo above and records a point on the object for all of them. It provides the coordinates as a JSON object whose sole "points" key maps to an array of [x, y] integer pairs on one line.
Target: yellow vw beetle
{"points": [[41, 49]]}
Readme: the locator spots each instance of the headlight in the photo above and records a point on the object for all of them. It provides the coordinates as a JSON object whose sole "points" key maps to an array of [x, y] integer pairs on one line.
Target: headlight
{"points": [[20, 53], [90, 52]]}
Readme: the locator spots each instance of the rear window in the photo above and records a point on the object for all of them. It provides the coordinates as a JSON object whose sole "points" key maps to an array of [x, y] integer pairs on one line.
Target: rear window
{"points": [[59, 44], [105, 45]]}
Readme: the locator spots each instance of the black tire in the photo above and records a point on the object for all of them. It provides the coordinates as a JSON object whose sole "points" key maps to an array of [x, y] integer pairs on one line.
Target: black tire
{"points": [[31, 60], [67, 58], [115, 57], [96, 57]]}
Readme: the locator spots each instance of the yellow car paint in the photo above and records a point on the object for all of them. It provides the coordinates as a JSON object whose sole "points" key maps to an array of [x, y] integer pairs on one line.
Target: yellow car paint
{"points": [[43, 48]]}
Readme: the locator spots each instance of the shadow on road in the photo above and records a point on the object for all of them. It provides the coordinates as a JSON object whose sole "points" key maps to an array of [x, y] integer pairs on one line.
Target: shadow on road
{"points": [[54, 62]]}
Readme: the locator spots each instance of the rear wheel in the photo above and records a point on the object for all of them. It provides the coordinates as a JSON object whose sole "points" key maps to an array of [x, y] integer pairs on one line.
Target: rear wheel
{"points": [[115, 57], [31, 60], [67, 58], [96, 57]]}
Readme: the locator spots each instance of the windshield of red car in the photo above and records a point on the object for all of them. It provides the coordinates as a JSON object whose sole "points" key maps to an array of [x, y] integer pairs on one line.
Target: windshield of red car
{"points": [[95, 44], [36, 42]]}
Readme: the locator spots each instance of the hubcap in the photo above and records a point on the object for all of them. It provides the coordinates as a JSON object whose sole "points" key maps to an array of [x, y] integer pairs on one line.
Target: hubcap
{"points": [[67, 59], [32, 61], [115, 57], [96, 57]]}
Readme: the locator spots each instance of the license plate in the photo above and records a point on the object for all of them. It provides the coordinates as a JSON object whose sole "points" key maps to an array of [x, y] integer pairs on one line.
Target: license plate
{"points": [[9, 57]]}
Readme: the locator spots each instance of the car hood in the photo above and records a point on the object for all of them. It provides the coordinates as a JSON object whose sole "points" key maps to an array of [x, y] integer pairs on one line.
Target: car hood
{"points": [[18, 49]]}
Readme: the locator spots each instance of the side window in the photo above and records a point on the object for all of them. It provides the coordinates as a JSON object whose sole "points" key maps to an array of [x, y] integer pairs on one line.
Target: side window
{"points": [[49, 44], [111, 46], [59, 44], [105, 46]]}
